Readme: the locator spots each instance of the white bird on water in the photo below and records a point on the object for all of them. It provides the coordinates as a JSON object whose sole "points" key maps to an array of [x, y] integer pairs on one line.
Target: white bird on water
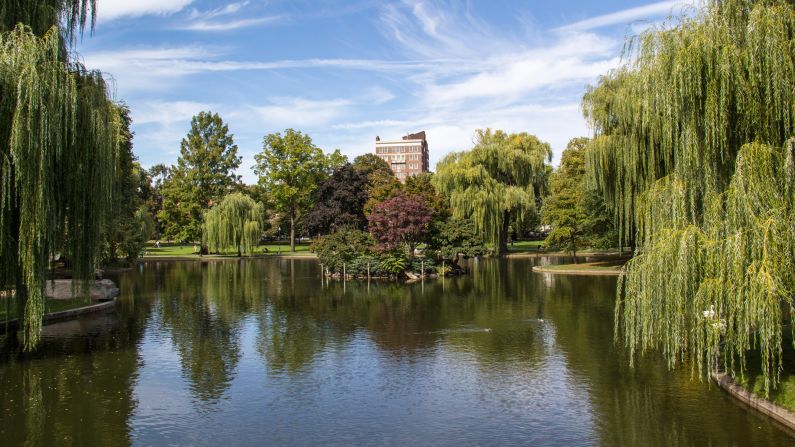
{"points": [[709, 313]]}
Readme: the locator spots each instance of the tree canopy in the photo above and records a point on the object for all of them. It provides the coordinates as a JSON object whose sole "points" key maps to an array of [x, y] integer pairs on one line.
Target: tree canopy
{"points": [[339, 202], [129, 224], [573, 209], [235, 222], [402, 221], [496, 180], [59, 135], [290, 168], [204, 174], [691, 154]]}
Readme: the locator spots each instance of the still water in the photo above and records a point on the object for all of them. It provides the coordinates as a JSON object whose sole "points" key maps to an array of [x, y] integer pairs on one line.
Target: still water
{"points": [[265, 352]]}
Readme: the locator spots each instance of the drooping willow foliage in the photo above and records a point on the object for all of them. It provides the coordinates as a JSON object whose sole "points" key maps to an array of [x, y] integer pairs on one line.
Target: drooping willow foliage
{"points": [[692, 155], [58, 140], [235, 222], [41, 15], [497, 179]]}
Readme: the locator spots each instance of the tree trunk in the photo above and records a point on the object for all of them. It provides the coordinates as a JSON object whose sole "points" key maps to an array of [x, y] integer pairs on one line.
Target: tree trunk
{"points": [[503, 242], [292, 231]]}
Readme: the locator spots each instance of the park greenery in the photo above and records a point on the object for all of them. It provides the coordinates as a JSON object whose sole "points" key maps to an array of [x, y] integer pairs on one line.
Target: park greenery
{"points": [[694, 155], [203, 175], [498, 180], [290, 168], [573, 208], [235, 222], [67, 163], [691, 166]]}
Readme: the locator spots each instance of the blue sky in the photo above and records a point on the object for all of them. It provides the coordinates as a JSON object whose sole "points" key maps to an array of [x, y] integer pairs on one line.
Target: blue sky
{"points": [[346, 71]]}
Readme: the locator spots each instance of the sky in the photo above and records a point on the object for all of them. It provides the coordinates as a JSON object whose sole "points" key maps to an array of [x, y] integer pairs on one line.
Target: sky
{"points": [[345, 72]]}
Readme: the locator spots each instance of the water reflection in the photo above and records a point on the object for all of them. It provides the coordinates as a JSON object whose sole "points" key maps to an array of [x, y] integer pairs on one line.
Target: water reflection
{"points": [[266, 351]]}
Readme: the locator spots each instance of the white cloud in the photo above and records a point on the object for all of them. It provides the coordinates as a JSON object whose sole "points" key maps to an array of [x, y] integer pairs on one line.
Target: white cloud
{"points": [[441, 30], [201, 25], [113, 9], [165, 112], [300, 112], [231, 8], [627, 16], [379, 95], [158, 69], [577, 59]]}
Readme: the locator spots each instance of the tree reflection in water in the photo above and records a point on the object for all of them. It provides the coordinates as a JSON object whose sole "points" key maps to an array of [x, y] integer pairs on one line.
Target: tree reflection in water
{"points": [[254, 351]]}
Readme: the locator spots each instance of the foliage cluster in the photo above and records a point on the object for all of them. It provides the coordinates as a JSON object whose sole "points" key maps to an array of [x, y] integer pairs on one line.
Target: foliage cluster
{"points": [[61, 137], [496, 182], [573, 209], [692, 157]]}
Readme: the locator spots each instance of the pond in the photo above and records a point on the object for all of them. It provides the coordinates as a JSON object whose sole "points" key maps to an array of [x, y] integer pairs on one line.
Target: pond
{"points": [[265, 352]]}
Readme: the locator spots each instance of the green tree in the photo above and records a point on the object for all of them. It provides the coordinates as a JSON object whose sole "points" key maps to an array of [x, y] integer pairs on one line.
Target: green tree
{"points": [[692, 155], [563, 208], [204, 174], [373, 166], [127, 228], [453, 238], [158, 176], [339, 202], [381, 181], [342, 247], [59, 134], [495, 181], [290, 167], [236, 222]]}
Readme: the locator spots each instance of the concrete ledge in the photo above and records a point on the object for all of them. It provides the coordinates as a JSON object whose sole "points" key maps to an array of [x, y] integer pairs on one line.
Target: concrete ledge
{"points": [[541, 269], [764, 406], [68, 314]]}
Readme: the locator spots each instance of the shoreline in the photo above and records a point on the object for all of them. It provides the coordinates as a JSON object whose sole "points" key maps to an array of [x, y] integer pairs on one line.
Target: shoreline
{"points": [[560, 254], [754, 402], [68, 314], [576, 272], [225, 258]]}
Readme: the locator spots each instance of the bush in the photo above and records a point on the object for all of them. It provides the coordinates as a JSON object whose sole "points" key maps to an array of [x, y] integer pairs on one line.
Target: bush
{"points": [[358, 266], [416, 265], [342, 247], [393, 264]]}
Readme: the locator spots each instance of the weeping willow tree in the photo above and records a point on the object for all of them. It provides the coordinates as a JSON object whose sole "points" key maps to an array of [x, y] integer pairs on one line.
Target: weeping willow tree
{"points": [[692, 154], [58, 137], [498, 179], [235, 222]]}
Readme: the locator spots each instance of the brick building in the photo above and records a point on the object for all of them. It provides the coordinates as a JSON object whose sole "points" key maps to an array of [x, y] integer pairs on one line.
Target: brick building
{"points": [[407, 157]]}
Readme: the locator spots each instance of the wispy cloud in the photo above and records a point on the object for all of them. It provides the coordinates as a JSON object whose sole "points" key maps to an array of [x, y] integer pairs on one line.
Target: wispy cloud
{"points": [[441, 30], [167, 112], [231, 8], [218, 19], [113, 9], [155, 68], [295, 112], [203, 25], [627, 16], [576, 60]]}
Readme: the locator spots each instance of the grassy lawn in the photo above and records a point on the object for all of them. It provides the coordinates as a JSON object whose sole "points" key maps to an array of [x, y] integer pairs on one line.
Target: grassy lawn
{"points": [[523, 246], [50, 306], [753, 380], [783, 396], [176, 250]]}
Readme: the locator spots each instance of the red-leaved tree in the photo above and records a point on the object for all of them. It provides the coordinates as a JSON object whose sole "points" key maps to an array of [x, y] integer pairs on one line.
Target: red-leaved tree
{"points": [[400, 221]]}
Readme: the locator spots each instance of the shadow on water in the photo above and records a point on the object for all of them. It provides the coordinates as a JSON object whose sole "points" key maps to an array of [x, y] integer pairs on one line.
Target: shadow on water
{"points": [[266, 351]]}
